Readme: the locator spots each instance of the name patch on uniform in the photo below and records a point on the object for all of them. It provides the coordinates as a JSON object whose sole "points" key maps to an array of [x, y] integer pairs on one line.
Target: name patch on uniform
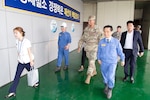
{"points": [[103, 44]]}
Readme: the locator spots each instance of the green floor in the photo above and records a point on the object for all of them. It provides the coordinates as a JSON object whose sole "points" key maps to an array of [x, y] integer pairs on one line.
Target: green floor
{"points": [[69, 85]]}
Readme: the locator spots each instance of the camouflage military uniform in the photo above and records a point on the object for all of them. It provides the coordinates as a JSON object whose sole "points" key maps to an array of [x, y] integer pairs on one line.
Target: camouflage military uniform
{"points": [[91, 37]]}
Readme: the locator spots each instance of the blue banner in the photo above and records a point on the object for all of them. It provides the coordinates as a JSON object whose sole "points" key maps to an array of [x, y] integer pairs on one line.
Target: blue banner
{"points": [[47, 7]]}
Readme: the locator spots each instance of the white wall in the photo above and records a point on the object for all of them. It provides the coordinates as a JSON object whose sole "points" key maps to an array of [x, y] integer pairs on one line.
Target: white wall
{"points": [[89, 9], [115, 13], [37, 28]]}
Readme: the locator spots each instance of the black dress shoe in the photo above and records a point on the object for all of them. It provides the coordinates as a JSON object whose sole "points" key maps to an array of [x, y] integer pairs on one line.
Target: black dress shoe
{"points": [[10, 95], [132, 80], [124, 79]]}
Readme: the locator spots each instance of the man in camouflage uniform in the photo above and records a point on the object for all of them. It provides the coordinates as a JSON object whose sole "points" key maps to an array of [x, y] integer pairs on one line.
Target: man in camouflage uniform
{"points": [[118, 33], [90, 37]]}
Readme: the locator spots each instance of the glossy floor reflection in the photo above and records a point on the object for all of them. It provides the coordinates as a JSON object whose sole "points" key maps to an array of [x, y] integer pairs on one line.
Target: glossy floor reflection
{"points": [[69, 85]]}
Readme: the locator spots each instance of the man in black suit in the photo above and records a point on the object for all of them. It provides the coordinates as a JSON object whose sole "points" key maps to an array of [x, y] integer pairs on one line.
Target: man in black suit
{"points": [[130, 40]]}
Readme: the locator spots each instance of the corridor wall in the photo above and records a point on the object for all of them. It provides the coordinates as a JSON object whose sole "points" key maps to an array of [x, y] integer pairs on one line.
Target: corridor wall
{"points": [[115, 13], [38, 31]]}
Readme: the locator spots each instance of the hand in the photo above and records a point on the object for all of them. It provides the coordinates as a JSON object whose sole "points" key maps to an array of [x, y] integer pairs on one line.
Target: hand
{"points": [[122, 63], [32, 63], [79, 50], [141, 54], [66, 47], [99, 61]]}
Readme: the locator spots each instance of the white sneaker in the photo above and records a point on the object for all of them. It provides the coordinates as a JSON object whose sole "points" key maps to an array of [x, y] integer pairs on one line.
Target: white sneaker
{"points": [[10, 95], [36, 85]]}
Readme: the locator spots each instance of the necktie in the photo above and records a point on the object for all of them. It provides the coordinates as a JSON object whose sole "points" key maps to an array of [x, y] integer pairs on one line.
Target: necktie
{"points": [[107, 40]]}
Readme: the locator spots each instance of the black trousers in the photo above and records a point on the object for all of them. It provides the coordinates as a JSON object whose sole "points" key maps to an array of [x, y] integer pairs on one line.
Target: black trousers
{"points": [[19, 70], [130, 59], [83, 57]]}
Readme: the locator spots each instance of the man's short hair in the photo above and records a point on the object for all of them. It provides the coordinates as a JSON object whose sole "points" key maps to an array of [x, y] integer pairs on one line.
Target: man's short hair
{"points": [[108, 26], [118, 26], [130, 22]]}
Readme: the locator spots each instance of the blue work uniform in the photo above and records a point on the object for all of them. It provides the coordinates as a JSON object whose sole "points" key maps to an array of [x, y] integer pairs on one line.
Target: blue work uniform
{"points": [[108, 52], [63, 40]]}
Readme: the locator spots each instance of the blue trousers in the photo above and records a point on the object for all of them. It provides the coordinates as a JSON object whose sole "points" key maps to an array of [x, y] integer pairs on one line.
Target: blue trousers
{"points": [[63, 53], [108, 72], [19, 70]]}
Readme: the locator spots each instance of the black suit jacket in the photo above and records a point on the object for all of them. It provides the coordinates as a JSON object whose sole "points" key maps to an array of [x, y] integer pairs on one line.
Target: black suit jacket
{"points": [[137, 39]]}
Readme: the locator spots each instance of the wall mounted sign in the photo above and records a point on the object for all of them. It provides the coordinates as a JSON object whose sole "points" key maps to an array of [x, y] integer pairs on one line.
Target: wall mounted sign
{"points": [[53, 8], [53, 26], [72, 27]]}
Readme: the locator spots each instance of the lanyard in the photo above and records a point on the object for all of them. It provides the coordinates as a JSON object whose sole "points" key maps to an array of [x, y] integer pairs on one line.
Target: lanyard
{"points": [[20, 46]]}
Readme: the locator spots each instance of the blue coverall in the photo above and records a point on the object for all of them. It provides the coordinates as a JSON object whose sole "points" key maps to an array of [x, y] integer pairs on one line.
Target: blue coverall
{"points": [[63, 40], [108, 53]]}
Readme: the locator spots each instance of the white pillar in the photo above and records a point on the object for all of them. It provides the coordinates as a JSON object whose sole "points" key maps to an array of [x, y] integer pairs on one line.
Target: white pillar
{"points": [[115, 13]]}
